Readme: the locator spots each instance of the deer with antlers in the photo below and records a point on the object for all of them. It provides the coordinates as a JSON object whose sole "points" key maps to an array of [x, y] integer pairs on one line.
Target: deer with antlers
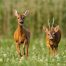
{"points": [[21, 35], [53, 36]]}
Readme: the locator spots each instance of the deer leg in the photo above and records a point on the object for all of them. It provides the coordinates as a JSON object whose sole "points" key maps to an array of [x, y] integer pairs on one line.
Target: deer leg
{"points": [[56, 51], [52, 51], [23, 53], [18, 49], [49, 51], [27, 45], [23, 50]]}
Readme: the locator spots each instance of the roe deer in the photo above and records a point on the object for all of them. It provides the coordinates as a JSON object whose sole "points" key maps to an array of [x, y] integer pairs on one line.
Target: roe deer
{"points": [[53, 36], [21, 35]]}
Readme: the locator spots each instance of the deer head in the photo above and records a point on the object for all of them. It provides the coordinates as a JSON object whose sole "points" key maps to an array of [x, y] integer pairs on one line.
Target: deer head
{"points": [[21, 17], [51, 32]]}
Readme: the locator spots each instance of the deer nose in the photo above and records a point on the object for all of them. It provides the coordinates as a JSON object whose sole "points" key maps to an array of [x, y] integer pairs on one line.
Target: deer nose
{"points": [[21, 21], [51, 38]]}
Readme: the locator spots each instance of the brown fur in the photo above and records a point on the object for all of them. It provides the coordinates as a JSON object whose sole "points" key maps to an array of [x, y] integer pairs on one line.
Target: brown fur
{"points": [[21, 35], [53, 36]]}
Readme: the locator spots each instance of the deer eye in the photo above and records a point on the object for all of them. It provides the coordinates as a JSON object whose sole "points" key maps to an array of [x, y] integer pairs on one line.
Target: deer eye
{"points": [[48, 34], [18, 17]]}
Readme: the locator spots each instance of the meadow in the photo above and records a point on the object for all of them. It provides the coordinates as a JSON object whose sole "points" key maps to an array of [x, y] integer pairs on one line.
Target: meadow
{"points": [[40, 11], [38, 54]]}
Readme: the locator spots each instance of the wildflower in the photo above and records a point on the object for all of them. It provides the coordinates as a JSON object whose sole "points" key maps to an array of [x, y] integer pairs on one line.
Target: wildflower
{"points": [[22, 58]]}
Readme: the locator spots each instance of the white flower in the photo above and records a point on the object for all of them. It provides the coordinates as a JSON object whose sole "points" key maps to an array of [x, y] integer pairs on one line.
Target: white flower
{"points": [[22, 58]]}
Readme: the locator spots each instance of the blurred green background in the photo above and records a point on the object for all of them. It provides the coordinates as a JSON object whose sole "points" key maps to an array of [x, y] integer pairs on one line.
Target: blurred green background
{"points": [[40, 12]]}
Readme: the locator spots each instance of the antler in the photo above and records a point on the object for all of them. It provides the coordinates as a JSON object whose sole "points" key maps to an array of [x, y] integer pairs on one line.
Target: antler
{"points": [[26, 13], [48, 23], [53, 22], [15, 12]]}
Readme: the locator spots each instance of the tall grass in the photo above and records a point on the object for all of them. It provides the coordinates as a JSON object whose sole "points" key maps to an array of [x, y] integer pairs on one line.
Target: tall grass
{"points": [[40, 12], [38, 54]]}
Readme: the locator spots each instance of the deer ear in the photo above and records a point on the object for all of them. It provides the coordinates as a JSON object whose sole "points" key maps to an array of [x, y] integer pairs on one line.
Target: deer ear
{"points": [[26, 13], [45, 29], [15, 13], [56, 28]]}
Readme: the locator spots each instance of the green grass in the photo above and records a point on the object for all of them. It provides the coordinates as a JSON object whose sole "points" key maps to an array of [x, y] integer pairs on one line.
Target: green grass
{"points": [[38, 54]]}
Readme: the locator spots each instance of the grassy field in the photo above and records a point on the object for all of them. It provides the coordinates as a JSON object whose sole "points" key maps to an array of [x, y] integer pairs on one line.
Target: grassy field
{"points": [[38, 54]]}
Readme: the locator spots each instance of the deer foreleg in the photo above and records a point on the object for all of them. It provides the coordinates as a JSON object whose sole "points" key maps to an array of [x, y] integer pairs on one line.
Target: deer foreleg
{"points": [[23, 49], [18, 49], [27, 50]]}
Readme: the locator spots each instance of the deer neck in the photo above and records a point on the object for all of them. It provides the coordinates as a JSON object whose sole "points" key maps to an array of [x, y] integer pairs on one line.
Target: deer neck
{"points": [[20, 27]]}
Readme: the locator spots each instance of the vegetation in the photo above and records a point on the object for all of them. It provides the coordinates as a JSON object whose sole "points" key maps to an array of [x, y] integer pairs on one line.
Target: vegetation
{"points": [[40, 12], [38, 54]]}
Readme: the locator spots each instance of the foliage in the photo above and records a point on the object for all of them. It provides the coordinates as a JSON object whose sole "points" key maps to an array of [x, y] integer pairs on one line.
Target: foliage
{"points": [[38, 54], [40, 12]]}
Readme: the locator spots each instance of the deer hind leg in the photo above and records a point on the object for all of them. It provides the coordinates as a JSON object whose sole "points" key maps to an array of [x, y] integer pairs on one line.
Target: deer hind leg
{"points": [[56, 51], [50, 51], [23, 51], [27, 50], [27, 46], [18, 49]]}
